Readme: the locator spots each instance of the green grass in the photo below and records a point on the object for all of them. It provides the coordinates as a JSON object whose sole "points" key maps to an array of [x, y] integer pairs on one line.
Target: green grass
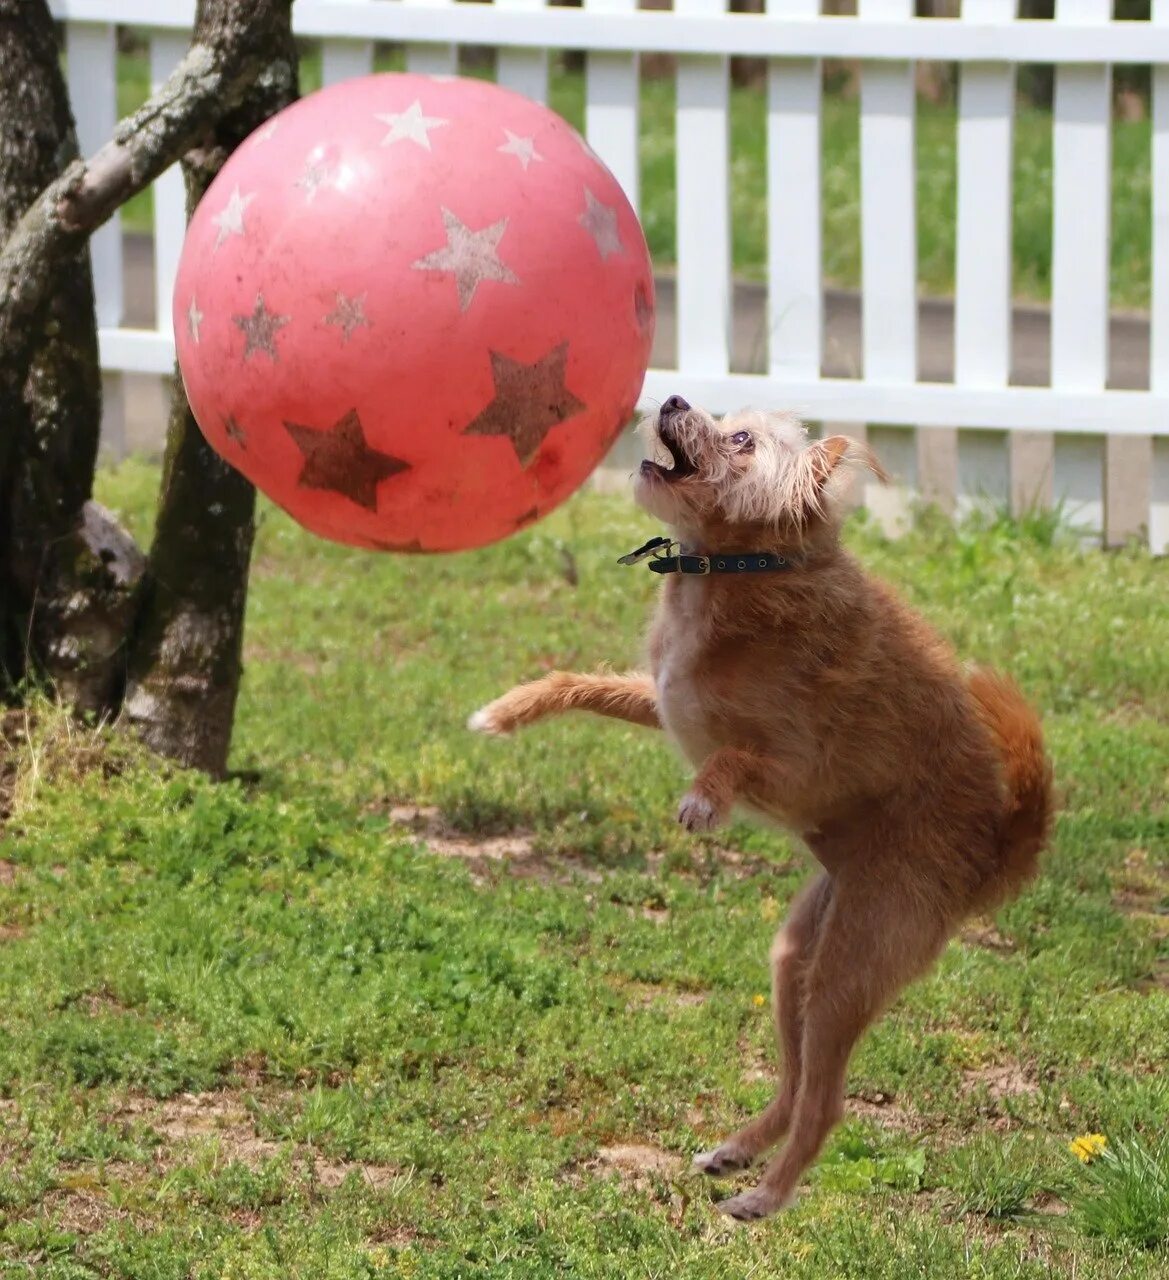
{"points": [[260, 1029], [936, 183]]}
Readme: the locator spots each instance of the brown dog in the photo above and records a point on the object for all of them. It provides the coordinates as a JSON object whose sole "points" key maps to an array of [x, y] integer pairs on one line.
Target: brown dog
{"points": [[809, 694]]}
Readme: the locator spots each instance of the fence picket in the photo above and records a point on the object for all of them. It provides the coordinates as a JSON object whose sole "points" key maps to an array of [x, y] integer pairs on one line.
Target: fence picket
{"points": [[91, 54], [794, 299], [1082, 183], [704, 229], [345, 60], [889, 259], [982, 302], [524, 70], [612, 107], [170, 201], [1159, 317], [432, 59]]}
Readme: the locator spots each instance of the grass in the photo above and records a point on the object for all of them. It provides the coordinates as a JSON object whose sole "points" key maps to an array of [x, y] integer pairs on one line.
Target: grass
{"points": [[936, 183], [282, 1026]]}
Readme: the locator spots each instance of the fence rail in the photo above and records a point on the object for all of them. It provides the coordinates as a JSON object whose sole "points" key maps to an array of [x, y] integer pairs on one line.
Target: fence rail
{"points": [[1103, 453]]}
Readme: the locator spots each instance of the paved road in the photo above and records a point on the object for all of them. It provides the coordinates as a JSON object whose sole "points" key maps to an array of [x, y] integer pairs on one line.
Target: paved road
{"points": [[1031, 344]]}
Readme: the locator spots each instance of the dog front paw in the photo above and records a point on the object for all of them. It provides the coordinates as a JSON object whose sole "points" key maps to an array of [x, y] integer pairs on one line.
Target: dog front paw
{"points": [[490, 720], [696, 813]]}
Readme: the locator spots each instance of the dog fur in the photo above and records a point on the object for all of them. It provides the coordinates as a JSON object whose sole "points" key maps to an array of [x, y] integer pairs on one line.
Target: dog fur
{"points": [[817, 700]]}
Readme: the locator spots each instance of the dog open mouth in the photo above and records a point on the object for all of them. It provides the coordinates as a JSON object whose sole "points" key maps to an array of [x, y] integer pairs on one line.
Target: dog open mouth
{"points": [[680, 464]]}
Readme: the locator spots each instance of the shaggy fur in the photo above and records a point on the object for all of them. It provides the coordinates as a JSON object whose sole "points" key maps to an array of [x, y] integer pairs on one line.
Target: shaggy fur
{"points": [[817, 700]]}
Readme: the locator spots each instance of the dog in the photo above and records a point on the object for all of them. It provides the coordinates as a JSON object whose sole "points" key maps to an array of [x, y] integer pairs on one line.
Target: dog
{"points": [[808, 694]]}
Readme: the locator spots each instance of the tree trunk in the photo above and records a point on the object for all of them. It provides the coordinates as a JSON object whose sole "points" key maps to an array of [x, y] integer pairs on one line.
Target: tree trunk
{"points": [[67, 570], [185, 663]]}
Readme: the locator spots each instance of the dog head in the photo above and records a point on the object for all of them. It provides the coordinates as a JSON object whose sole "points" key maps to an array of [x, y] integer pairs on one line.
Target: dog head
{"points": [[751, 473]]}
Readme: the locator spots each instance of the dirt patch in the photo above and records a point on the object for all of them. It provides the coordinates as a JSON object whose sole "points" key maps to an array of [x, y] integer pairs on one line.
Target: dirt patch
{"points": [[633, 1162], [881, 1109], [644, 995], [512, 852], [192, 1117], [1006, 1080], [983, 933], [1140, 886], [10, 932]]}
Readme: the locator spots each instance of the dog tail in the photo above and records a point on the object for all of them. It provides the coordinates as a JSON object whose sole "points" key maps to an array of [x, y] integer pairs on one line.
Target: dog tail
{"points": [[1027, 815]]}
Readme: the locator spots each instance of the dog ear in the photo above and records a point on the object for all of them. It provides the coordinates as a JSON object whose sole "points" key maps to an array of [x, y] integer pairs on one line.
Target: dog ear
{"points": [[829, 453]]}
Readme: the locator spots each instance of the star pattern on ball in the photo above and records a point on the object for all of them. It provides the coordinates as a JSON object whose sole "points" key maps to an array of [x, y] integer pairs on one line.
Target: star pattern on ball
{"points": [[234, 431], [524, 149], [530, 399], [194, 319], [410, 125], [643, 309], [230, 219], [316, 175], [260, 329], [348, 314], [263, 133], [339, 459], [470, 256], [600, 221]]}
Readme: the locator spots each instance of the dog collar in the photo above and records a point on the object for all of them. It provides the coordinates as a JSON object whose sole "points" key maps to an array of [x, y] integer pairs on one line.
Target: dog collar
{"points": [[663, 561]]}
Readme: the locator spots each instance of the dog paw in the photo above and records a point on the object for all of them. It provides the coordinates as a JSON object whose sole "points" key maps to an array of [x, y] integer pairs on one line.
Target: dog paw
{"points": [[721, 1161], [696, 813], [487, 720], [750, 1206]]}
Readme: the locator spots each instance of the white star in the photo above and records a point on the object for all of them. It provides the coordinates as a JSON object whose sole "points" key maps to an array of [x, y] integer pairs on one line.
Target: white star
{"points": [[524, 149], [600, 221], [194, 319], [263, 133], [411, 124], [316, 175], [470, 256], [230, 220]]}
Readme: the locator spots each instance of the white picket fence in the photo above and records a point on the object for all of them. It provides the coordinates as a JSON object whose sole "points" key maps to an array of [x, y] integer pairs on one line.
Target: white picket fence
{"points": [[1103, 453]]}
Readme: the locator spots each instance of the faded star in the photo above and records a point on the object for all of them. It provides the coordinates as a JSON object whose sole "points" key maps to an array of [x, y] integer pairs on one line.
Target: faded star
{"points": [[194, 319], [411, 124], [524, 149], [530, 399], [260, 329], [234, 431], [600, 221], [339, 460], [470, 256], [230, 219], [316, 174], [263, 133], [348, 314]]}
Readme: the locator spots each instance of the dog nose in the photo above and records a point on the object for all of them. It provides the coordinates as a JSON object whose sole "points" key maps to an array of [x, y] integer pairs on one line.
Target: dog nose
{"points": [[675, 404]]}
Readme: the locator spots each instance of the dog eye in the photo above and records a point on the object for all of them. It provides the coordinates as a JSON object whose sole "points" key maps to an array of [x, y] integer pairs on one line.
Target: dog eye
{"points": [[743, 440]]}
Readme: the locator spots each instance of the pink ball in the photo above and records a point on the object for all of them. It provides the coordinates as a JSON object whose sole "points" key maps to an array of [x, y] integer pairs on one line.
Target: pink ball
{"points": [[415, 312]]}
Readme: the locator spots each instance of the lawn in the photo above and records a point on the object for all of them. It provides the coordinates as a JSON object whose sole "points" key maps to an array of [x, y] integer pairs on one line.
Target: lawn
{"points": [[936, 183], [398, 1001]]}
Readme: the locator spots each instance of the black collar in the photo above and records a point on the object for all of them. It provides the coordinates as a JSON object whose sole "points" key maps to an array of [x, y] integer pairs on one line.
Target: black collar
{"points": [[722, 562]]}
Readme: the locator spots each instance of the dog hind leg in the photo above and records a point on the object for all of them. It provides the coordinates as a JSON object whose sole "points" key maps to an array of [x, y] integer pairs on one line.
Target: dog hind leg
{"points": [[790, 956]]}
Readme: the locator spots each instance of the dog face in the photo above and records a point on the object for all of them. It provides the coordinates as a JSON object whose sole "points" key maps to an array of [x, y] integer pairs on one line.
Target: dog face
{"points": [[750, 470]]}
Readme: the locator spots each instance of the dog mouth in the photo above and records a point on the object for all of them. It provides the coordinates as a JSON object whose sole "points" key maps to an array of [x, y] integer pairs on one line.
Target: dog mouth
{"points": [[680, 464]]}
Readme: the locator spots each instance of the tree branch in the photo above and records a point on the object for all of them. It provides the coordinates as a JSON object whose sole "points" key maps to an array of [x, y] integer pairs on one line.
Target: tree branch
{"points": [[211, 81]]}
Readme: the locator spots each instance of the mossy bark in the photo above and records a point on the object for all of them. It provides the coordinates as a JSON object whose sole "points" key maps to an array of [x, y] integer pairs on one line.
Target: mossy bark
{"points": [[186, 655], [67, 570]]}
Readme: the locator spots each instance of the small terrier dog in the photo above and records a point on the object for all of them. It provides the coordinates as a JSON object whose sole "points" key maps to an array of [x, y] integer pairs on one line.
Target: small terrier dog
{"points": [[807, 693]]}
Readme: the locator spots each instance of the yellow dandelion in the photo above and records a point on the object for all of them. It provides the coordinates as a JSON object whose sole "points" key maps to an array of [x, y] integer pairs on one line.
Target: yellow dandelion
{"points": [[1087, 1146], [758, 1001]]}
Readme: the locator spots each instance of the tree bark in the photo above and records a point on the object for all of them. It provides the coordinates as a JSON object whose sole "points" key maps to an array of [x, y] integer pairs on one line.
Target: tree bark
{"points": [[185, 663], [232, 55], [67, 570]]}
